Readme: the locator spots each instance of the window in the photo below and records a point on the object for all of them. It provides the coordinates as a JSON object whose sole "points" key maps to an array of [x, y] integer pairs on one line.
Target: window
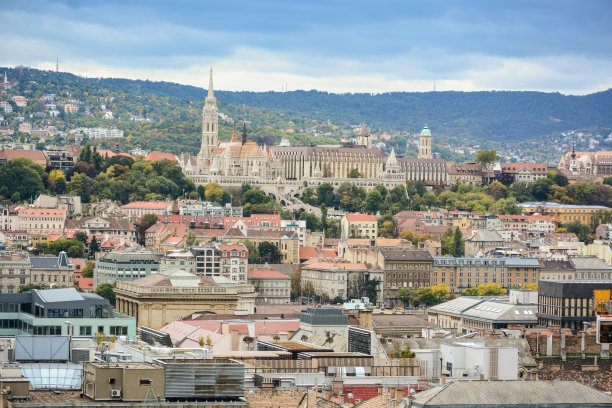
{"points": [[145, 382], [85, 331]]}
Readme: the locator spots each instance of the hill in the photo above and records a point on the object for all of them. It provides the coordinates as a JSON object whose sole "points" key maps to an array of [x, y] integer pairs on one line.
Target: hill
{"points": [[526, 125]]}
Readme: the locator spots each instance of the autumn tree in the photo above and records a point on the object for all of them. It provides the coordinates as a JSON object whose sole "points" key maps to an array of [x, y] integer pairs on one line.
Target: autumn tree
{"points": [[213, 192]]}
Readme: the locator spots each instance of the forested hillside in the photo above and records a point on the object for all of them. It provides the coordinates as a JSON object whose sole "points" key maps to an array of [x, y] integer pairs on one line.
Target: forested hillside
{"points": [[527, 125]]}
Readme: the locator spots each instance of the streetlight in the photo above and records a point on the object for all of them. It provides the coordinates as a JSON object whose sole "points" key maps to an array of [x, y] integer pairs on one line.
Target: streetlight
{"points": [[69, 325]]}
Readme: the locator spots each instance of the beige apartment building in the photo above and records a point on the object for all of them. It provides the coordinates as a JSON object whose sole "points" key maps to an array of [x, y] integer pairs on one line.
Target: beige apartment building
{"points": [[42, 220], [360, 226], [14, 272]]}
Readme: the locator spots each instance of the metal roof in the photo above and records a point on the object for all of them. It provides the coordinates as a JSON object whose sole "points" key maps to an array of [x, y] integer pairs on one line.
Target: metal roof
{"points": [[59, 295]]}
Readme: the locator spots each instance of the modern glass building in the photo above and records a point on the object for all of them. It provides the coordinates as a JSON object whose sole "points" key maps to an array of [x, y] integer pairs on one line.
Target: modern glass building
{"points": [[53, 311]]}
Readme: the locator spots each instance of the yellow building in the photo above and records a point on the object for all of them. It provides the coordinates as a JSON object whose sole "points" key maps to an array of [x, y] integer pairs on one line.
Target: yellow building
{"points": [[564, 213], [461, 273]]}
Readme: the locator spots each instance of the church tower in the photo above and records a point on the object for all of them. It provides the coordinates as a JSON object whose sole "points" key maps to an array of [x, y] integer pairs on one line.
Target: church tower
{"points": [[210, 125], [364, 137], [425, 144]]}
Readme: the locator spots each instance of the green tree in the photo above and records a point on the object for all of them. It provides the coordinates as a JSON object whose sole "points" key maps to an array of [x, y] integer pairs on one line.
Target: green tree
{"points": [[105, 290], [312, 221], [29, 286], [309, 196], [85, 155], [325, 195], [458, 243], [372, 290], [145, 223], [269, 253], [374, 201], [21, 176], [253, 252], [94, 247], [354, 173], [582, 231], [323, 222], [486, 158], [406, 295], [201, 190], [81, 236], [88, 270]]}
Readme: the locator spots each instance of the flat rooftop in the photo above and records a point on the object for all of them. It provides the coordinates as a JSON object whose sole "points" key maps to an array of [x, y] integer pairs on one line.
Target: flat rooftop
{"points": [[74, 399]]}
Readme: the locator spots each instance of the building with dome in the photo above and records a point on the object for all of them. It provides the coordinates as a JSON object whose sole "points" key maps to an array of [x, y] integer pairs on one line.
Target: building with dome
{"points": [[286, 170]]}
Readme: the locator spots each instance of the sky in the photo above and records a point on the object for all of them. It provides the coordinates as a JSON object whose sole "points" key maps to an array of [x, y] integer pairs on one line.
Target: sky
{"points": [[335, 46]]}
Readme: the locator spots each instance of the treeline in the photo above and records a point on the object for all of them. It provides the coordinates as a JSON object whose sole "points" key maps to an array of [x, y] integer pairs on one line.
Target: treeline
{"points": [[93, 178]]}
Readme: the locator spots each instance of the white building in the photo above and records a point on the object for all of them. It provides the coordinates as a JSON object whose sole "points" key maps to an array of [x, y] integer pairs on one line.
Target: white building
{"points": [[297, 226]]}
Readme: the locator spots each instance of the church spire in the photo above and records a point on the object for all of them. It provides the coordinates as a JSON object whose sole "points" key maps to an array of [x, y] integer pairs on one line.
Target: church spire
{"points": [[211, 93], [244, 133], [235, 136]]}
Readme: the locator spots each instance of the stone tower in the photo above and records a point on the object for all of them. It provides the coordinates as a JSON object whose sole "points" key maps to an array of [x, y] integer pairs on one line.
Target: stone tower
{"points": [[425, 144], [210, 125], [364, 137]]}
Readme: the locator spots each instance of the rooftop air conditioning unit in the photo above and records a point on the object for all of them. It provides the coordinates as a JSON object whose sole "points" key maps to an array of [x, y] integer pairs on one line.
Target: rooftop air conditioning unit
{"points": [[115, 393]]}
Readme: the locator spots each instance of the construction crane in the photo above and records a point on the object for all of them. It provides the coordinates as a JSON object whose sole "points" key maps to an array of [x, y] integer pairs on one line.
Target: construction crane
{"points": [[603, 309]]}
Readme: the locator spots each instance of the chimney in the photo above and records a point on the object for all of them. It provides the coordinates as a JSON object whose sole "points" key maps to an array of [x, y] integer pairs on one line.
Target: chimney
{"points": [[224, 327], [365, 319], [235, 339]]}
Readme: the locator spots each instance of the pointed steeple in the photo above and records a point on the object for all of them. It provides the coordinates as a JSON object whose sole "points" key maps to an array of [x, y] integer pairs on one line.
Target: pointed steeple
{"points": [[244, 133], [235, 136], [392, 160], [211, 93], [364, 130]]}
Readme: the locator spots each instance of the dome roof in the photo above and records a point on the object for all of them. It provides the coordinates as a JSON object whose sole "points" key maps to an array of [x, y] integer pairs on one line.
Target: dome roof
{"points": [[425, 131]]}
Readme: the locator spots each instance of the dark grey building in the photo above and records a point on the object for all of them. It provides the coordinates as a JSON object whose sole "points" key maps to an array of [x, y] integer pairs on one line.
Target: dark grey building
{"points": [[567, 303], [51, 312]]}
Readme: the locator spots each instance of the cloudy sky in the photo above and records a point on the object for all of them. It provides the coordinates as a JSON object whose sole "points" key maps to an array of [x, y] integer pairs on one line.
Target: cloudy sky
{"points": [[336, 46]]}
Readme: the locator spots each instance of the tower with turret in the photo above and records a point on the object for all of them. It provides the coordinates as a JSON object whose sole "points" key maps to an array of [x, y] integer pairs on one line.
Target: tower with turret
{"points": [[425, 140]]}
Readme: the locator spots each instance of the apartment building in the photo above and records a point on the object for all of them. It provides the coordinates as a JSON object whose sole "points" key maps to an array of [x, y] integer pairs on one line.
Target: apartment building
{"points": [[42, 220], [271, 286], [360, 226], [405, 269], [229, 260], [125, 266], [461, 273], [14, 272]]}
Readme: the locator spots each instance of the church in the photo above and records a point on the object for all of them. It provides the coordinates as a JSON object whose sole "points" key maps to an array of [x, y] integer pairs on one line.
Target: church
{"points": [[296, 167]]}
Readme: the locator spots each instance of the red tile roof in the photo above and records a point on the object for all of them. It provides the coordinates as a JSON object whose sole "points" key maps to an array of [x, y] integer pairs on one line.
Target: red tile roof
{"points": [[43, 212], [266, 274], [157, 205], [158, 156], [34, 155], [84, 283], [360, 217]]}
